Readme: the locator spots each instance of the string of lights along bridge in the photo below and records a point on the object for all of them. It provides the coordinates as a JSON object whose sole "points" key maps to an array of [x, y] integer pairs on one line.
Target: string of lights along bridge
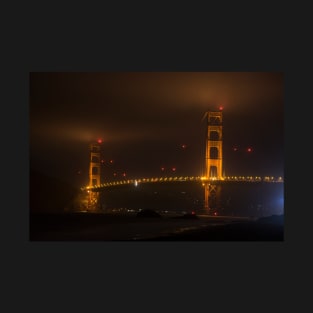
{"points": [[213, 166]]}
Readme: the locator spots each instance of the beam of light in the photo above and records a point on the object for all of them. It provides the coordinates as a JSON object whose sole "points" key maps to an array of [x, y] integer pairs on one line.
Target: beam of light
{"points": [[204, 116], [65, 131]]}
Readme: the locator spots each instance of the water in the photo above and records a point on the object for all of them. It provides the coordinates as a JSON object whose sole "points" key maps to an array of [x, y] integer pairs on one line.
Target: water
{"points": [[230, 199]]}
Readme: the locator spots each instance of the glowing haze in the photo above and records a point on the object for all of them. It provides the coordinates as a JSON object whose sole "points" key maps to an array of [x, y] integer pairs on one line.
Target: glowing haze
{"points": [[144, 118]]}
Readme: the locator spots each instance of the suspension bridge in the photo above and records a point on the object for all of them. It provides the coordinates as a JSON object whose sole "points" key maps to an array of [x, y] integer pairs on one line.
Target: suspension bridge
{"points": [[210, 181]]}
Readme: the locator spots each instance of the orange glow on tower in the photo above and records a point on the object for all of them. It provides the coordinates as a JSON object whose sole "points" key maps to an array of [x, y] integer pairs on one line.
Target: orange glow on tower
{"points": [[214, 151], [95, 164], [214, 154]]}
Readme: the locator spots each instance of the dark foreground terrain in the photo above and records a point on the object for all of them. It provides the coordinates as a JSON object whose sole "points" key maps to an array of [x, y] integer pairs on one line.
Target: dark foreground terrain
{"points": [[153, 227], [266, 229]]}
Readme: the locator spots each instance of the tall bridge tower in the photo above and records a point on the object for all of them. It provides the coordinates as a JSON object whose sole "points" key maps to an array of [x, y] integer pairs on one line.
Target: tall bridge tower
{"points": [[95, 165], [94, 174], [213, 154]]}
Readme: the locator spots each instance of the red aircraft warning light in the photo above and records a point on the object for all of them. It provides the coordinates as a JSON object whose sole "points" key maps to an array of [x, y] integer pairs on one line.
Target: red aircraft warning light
{"points": [[221, 108], [99, 140]]}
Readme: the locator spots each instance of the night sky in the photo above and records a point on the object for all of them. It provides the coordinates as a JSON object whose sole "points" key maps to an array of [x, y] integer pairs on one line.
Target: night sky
{"points": [[150, 120]]}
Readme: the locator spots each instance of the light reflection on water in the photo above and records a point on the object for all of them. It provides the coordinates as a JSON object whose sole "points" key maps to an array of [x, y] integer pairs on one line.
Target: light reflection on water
{"points": [[233, 199]]}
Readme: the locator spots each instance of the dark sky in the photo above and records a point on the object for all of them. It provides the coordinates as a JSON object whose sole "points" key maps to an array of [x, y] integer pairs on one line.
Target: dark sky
{"points": [[144, 118]]}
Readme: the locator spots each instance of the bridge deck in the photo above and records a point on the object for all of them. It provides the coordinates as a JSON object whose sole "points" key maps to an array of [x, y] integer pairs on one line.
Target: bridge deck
{"points": [[252, 179]]}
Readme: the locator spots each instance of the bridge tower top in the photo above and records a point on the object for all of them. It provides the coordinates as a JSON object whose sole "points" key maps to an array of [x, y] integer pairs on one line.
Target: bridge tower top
{"points": [[95, 163]]}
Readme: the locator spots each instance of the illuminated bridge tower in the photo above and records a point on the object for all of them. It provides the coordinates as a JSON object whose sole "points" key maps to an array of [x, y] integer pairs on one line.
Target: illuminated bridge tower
{"points": [[94, 174], [213, 155]]}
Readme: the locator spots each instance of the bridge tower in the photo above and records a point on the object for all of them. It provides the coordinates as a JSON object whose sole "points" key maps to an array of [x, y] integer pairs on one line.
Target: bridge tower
{"points": [[213, 155], [95, 165], [94, 174]]}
